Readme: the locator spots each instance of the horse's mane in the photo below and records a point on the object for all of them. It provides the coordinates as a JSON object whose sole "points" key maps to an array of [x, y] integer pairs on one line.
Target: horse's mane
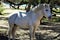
{"points": [[37, 8]]}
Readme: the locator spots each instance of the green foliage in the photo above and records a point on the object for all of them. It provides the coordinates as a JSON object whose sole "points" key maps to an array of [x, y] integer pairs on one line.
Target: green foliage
{"points": [[54, 19], [1, 9], [56, 10]]}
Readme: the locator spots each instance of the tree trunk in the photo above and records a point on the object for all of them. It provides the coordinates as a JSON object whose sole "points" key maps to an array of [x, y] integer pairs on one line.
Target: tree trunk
{"points": [[29, 5], [33, 2]]}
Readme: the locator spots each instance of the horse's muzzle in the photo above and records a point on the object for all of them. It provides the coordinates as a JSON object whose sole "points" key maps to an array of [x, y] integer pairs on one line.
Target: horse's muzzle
{"points": [[49, 17]]}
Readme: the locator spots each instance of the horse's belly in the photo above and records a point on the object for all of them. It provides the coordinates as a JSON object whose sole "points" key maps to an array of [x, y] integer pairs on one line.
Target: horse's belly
{"points": [[24, 27], [22, 24]]}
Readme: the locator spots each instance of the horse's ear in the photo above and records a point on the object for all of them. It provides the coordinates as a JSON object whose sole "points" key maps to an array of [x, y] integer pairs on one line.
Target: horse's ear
{"points": [[49, 4], [43, 4]]}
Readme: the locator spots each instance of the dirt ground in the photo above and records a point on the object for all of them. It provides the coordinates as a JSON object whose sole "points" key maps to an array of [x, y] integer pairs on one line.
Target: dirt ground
{"points": [[46, 31]]}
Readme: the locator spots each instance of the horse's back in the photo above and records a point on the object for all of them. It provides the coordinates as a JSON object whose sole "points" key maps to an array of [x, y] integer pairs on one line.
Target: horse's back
{"points": [[18, 16]]}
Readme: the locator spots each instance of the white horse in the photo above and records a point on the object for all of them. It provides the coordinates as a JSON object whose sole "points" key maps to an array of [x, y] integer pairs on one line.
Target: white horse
{"points": [[30, 20]]}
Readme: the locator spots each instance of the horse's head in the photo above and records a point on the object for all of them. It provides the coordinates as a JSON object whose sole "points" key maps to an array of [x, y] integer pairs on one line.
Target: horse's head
{"points": [[47, 11]]}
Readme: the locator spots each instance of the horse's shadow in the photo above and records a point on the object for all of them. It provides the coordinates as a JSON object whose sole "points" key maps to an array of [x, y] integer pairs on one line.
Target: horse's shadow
{"points": [[5, 38], [39, 36], [54, 28]]}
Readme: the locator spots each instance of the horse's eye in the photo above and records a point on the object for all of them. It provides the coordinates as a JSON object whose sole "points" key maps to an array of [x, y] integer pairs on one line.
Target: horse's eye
{"points": [[46, 10]]}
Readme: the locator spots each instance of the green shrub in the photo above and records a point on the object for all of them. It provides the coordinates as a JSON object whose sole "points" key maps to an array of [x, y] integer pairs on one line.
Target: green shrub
{"points": [[1, 9]]}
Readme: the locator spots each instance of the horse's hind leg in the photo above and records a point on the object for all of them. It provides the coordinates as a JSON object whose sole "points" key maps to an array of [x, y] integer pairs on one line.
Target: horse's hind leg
{"points": [[10, 30], [13, 31]]}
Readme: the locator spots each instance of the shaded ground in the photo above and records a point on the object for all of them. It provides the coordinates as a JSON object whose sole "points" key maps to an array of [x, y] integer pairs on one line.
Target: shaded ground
{"points": [[45, 32]]}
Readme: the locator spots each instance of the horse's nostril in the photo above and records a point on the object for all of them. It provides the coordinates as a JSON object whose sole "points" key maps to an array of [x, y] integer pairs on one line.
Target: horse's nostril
{"points": [[49, 17]]}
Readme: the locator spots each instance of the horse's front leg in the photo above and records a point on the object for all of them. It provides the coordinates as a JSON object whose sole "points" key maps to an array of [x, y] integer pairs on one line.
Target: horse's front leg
{"points": [[32, 33]]}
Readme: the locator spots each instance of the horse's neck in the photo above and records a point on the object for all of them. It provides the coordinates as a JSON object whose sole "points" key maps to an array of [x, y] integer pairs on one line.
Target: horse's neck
{"points": [[38, 10], [33, 15], [30, 13], [39, 15]]}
